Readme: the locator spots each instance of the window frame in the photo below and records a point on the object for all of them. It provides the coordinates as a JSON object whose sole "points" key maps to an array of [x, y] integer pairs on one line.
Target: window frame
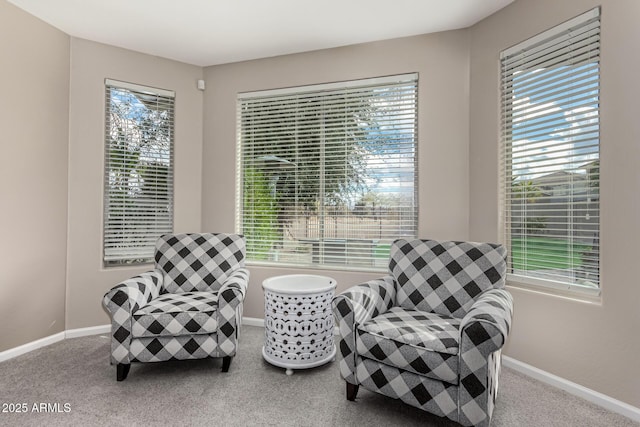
{"points": [[164, 101], [319, 88], [561, 288]]}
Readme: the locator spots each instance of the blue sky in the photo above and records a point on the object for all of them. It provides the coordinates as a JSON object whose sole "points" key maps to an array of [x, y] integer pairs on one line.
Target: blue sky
{"points": [[547, 131]]}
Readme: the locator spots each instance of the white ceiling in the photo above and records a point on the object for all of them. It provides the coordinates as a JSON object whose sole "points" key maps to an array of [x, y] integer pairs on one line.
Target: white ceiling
{"points": [[209, 32]]}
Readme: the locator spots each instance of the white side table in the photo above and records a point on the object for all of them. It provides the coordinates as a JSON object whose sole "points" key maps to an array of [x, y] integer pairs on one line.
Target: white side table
{"points": [[298, 321]]}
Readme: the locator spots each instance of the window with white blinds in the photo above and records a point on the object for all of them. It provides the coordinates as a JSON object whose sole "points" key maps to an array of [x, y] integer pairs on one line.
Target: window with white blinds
{"points": [[138, 180], [327, 173], [550, 156]]}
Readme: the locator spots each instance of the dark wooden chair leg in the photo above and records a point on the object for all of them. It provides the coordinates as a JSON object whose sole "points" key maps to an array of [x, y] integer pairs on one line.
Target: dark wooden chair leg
{"points": [[352, 391], [123, 371], [226, 362]]}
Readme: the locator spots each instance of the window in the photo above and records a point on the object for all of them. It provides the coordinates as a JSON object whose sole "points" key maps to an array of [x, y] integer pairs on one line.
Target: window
{"points": [[138, 181], [327, 173], [550, 156]]}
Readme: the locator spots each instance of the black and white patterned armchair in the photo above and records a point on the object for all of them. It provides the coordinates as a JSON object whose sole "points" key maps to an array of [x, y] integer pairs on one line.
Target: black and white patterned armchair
{"points": [[431, 332], [188, 307]]}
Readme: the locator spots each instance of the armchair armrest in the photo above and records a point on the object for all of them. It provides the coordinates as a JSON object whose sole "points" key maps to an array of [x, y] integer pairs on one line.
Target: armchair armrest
{"points": [[234, 288], [483, 333], [132, 294], [355, 306], [121, 302], [230, 298], [488, 322], [366, 300]]}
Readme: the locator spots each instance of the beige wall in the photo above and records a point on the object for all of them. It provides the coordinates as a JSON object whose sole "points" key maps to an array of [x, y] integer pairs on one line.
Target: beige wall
{"points": [[442, 61], [598, 345], [52, 160], [34, 113], [91, 63]]}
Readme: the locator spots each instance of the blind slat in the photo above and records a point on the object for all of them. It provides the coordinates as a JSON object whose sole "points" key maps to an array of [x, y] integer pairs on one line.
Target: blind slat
{"points": [[328, 173], [138, 171], [550, 155]]}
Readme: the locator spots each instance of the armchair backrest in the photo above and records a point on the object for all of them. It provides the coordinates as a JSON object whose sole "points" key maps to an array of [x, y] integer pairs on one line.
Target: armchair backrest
{"points": [[445, 277], [198, 261]]}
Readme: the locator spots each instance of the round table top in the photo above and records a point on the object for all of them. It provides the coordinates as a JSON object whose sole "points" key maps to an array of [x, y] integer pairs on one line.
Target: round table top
{"points": [[299, 284]]}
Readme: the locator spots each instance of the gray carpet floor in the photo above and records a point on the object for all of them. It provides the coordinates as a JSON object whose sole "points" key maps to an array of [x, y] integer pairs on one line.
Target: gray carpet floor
{"points": [[75, 375]]}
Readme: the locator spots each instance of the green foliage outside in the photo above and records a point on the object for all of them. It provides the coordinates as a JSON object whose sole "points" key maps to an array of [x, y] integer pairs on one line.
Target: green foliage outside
{"points": [[341, 149], [260, 225], [534, 225], [545, 253], [525, 190], [382, 250]]}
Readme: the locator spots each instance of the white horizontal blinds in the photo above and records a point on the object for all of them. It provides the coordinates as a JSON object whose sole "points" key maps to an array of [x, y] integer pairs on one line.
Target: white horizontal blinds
{"points": [[138, 181], [551, 144], [328, 171]]}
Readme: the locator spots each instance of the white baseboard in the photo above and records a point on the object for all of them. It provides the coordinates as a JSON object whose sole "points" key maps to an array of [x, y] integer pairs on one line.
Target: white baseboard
{"points": [[83, 332], [33, 345], [253, 321], [52, 339], [585, 393]]}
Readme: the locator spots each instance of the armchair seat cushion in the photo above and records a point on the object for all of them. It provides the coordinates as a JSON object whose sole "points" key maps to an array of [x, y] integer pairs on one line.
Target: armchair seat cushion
{"points": [[420, 342], [187, 313]]}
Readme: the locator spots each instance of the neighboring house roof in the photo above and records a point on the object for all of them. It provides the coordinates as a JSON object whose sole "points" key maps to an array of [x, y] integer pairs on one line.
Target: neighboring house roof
{"points": [[562, 183]]}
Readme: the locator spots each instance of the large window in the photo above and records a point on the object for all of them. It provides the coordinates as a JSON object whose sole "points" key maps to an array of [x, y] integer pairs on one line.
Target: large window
{"points": [[327, 173], [550, 153], [138, 181]]}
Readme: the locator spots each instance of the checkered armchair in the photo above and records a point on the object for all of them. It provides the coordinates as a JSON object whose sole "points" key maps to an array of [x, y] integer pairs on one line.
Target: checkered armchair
{"points": [[430, 332], [188, 307]]}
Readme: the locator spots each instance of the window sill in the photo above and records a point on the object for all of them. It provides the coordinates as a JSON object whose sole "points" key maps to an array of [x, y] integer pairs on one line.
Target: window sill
{"points": [[351, 268], [557, 289]]}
